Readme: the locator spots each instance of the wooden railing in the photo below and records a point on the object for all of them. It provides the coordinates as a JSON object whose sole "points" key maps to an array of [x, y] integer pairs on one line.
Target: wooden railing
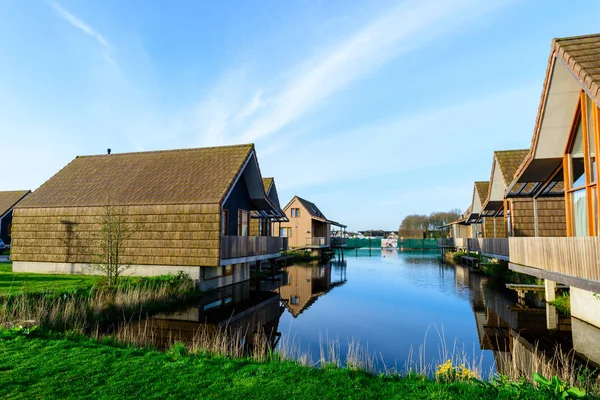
{"points": [[474, 244], [249, 246], [574, 256], [338, 241], [494, 247], [446, 242], [317, 241], [460, 243]]}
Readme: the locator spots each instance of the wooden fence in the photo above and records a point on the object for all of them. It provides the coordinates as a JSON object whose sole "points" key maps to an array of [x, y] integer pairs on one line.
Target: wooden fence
{"points": [[250, 246], [317, 241], [461, 243], [574, 256], [445, 242]]}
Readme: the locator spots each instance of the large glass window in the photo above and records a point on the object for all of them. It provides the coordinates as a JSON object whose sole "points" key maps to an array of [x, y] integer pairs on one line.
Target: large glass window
{"points": [[581, 176], [577, 159], [579, 207], [243, 219], [591, 138]]}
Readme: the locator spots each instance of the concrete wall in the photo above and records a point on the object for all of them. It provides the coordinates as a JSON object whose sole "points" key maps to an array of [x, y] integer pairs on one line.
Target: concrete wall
{"points": [[241, 272], [585, 306]]}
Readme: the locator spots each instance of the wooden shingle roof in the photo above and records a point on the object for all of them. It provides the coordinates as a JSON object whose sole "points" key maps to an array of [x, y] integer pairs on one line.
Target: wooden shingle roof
{"points": [[9, 199], [188, 176], [267, 184], [482, 190], [509, 161], [581, 54]]}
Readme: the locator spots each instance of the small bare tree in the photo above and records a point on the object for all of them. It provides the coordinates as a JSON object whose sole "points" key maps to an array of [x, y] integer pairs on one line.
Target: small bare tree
{"points": [[115, 231]]}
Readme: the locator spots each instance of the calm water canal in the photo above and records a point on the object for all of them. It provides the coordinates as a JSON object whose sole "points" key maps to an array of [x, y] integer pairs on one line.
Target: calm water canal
{"points": [[396, 304]]}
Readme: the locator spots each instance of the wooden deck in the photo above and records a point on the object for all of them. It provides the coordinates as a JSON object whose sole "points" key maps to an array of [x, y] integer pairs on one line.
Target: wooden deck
{"points": [[577, 257], [233, 247], [491, 247]]}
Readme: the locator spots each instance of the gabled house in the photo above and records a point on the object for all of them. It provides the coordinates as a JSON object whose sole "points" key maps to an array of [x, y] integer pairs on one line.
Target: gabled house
{"points": [[523, 216], [562, 163], [261, 222], [185, 210], [473, 216], [8, 200], [307, 226]]}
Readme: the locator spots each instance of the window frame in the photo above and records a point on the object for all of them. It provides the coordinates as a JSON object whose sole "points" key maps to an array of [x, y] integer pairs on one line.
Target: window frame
{"points": [[591, 188]]}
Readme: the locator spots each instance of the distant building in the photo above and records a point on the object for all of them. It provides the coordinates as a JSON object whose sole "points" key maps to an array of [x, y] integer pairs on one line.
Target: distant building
{"points": [[307, 226]]}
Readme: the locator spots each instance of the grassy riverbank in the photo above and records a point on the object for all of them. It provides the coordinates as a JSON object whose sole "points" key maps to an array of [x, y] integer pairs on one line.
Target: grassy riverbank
{"points": [[15, 282], [80, 368]]}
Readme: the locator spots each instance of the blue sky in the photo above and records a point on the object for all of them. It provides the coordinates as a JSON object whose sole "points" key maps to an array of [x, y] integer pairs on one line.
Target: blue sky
{"points": [[372, 110]]}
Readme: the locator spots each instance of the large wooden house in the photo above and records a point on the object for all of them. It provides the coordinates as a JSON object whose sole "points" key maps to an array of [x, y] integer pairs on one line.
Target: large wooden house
{"points": [[185, 210], [8, 201], [562, 164], [307, 226]]}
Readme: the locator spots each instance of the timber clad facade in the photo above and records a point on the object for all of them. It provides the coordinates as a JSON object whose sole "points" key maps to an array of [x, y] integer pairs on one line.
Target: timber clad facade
{"points": [[186, 235], [183, 210]]}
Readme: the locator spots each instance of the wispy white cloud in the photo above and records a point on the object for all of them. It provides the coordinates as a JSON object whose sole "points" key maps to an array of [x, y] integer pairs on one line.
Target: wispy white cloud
{"points": [[88, 30], [235, 112]]}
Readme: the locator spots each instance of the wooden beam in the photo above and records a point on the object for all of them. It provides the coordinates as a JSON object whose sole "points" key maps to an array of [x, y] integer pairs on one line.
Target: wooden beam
{"points": [[584, 284]]}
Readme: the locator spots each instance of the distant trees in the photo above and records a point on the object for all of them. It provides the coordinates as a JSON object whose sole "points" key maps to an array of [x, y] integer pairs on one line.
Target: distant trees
{"points": [[421, 225]]}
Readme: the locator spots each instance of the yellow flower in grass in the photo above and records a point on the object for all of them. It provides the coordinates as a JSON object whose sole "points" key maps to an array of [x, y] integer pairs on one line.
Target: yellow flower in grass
{"points": [[449, 372]]}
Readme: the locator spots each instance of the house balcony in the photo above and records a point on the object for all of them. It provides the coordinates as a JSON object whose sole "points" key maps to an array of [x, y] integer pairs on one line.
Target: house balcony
{"points": [[317, 242], [238, 249], [338, 242], [491, 247], [572, 261], [446, 242]]}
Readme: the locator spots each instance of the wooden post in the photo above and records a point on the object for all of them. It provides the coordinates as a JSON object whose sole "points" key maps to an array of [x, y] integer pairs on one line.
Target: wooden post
{"points": [[551, 317], [550, 289]]}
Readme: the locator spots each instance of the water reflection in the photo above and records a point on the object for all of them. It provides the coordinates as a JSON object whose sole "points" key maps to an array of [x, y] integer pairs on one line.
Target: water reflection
{"points": [[302, 285], [526, 336], [235, 310], [389, 302]]}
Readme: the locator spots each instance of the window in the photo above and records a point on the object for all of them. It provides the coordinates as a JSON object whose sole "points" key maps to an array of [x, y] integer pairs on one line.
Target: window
{"points": [[577, 159], [9, 230], [228, 270], [285, 232], [581, 171], [243, 218], [224, 223], [217, 272], [295, 212], [294, 300]]}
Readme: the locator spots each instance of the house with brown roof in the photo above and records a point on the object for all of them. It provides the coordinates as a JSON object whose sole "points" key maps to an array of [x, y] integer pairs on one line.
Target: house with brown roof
{"points": [[307, 226], [186, 210], [8, 200], [562, 164], [522, 216]]}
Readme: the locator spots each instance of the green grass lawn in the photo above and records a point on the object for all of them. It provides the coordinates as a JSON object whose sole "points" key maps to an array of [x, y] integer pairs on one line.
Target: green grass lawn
{"points": [[12, 283], [62, 368]]}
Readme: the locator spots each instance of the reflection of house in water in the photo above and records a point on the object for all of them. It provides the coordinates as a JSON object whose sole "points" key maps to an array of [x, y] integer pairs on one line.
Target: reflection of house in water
{"points": [[235, 309], [518, 334], [303, 285]]}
